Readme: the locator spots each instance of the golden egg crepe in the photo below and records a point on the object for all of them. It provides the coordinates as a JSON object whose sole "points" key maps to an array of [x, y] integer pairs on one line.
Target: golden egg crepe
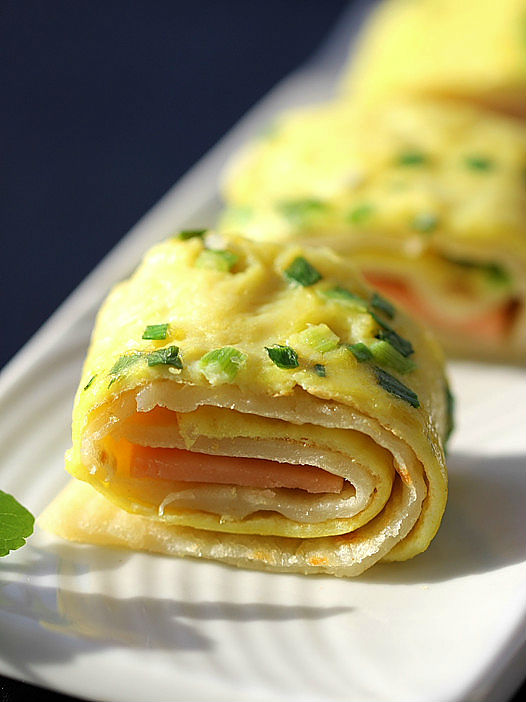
{"points": [[473, 50], [258, 405], [426, 197]]}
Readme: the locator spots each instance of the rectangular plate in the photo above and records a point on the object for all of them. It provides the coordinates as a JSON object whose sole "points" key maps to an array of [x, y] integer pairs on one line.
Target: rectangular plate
{"points": [[120, 626]]}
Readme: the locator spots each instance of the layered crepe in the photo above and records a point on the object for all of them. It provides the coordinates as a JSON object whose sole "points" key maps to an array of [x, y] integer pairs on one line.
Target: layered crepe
{"points": [[426, 197], [258, 405], [472, 50]]}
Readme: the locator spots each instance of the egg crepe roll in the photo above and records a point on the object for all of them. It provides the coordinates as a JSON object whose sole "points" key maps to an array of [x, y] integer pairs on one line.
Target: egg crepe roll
{"points": [[256, 404], [427, 199], [472, 50]]}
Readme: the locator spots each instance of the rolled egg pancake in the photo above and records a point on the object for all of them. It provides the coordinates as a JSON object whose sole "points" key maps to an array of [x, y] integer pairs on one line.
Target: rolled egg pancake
{"points": [[472, 50], [425, 197], [259, 405]]}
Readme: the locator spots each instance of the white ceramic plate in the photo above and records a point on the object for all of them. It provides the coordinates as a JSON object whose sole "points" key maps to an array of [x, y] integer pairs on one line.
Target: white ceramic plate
{"points": [[116, 626]]}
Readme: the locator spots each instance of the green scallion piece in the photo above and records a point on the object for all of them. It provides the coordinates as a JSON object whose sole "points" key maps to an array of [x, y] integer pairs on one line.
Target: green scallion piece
{"points": [[386, 355], [411, 158], [320, 370], [168, 356], [186, 234], [360, 213], [283, 356], [217, 260], [479, 163], [495, 273], [90, 381], [394, 387], [380, 304], [302, 272], [339, 294], [320, 337], [425, 222], [124, 362], [360, 351], [403, 346], [155, 332], [222, 365], [387, 333], [298, 212]]}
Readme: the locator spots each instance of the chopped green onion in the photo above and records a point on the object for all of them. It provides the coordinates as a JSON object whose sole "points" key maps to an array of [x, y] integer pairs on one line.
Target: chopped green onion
{"points": [[191, 234], [479, 163], [386, 355], [344, 296], [411, 158], [320, 337], [222, 365], [302, 272], [216, 259], [90, 381], [387, 333], [283, 356], [124, 362], [155, 332], [425, 222], [168, 356], [380, 304], [360, 213], [403, 346], [393, 386], [319, 369], [298, 212], [495, 273], [360, 351]]}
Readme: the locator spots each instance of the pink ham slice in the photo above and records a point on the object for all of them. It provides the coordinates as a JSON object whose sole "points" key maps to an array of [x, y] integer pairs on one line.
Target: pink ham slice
{"points": [[492, 325], [188, 466]]}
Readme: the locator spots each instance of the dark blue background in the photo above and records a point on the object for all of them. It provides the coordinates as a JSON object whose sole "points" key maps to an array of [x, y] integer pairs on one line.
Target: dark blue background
{"points": [[105, 104]]}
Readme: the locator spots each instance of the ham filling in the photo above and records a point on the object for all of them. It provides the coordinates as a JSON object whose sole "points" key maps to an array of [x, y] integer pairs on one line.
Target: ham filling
{"points": [[188, 466], [489, 326]]}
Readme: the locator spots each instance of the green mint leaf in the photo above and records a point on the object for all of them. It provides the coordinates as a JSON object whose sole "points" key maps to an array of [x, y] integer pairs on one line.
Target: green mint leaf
{"points": [[16, 524]]}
